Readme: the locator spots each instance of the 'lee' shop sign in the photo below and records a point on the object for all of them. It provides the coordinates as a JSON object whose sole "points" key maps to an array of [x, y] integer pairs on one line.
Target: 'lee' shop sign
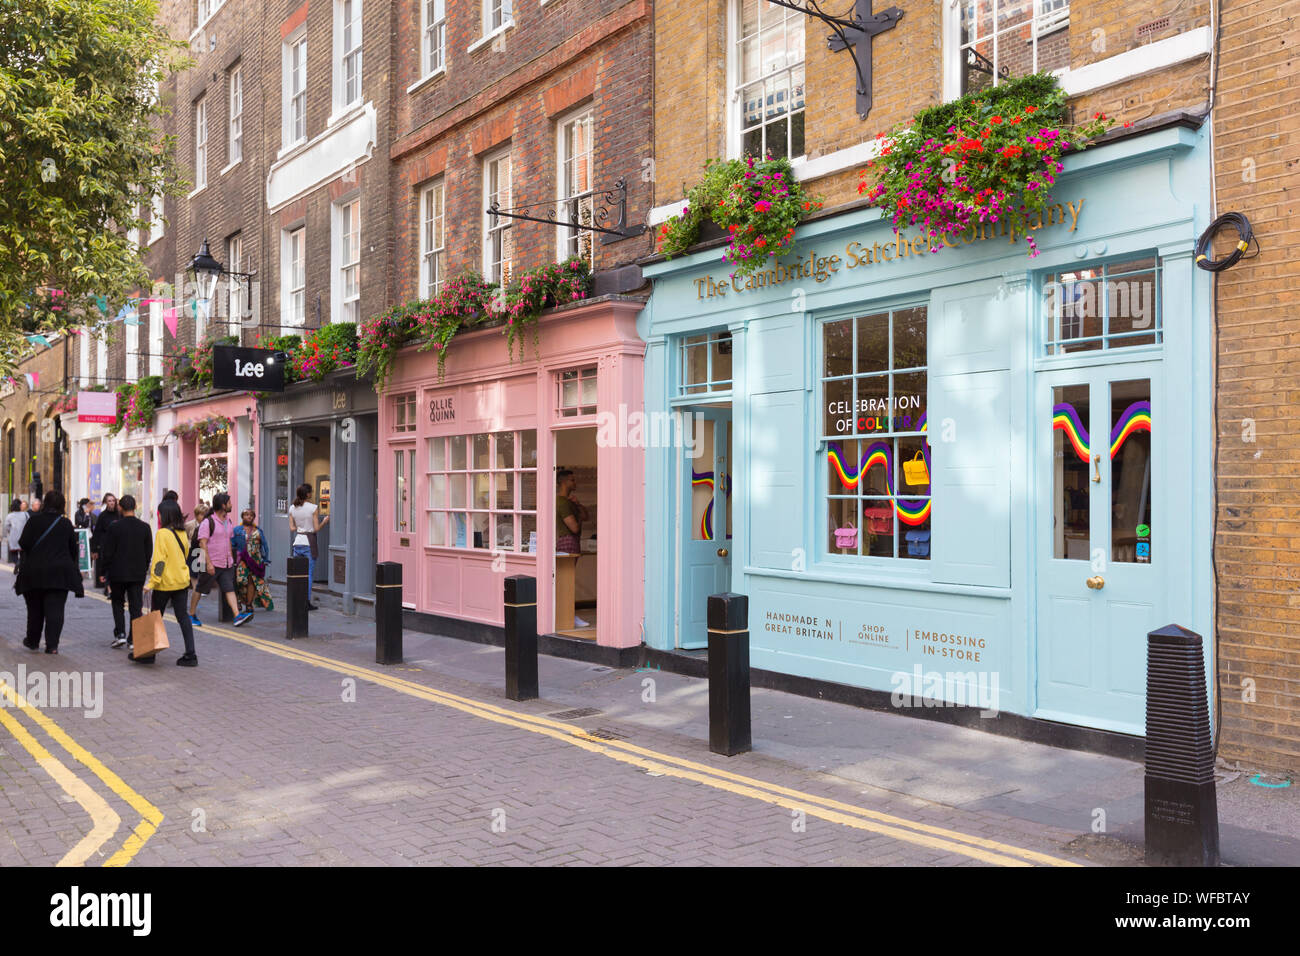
{"points": [[247, 369]]}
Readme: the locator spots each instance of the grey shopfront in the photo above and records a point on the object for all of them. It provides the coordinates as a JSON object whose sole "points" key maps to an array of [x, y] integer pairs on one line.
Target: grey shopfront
{"points": [[324, 434]]}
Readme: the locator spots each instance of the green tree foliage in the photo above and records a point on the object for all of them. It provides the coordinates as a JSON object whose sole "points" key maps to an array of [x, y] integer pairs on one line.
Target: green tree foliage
{"points": [[81, 152]]}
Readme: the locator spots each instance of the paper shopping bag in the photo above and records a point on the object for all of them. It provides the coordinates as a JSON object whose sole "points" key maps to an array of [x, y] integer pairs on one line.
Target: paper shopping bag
{"points": [[148, 634]]}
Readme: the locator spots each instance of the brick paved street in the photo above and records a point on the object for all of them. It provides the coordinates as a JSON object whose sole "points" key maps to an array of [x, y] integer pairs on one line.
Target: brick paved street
{"points": [[257, 758]]}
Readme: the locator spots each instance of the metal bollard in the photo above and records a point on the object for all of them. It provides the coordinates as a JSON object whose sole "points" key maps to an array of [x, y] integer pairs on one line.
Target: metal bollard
{"points": [[521, 637], [728, 622], [388, 612], [295, 616], [1181, 807]]}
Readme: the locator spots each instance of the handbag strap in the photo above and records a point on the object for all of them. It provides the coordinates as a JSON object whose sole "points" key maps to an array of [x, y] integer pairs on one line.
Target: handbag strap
{"points": [[46, 532], [180, 545]]}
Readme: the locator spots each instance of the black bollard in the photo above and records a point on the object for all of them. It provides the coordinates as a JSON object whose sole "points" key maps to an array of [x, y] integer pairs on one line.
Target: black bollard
{"points": [[295, 616], [1182, 815], [388, 612], [521, 637], [728, 621]]}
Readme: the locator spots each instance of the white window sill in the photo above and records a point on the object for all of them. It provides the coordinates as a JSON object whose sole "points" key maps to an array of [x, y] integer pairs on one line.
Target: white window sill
{"points": [[290, 148], [851, 157], [1150, 58], [426, 80], [154, 240], [211, 16], [344, 114], [489, 37], [196, 191], [227, 168]]}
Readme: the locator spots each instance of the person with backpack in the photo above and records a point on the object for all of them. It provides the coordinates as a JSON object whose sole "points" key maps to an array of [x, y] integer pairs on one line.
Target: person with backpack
{"points": [[215, 534], [194, 559], [15, 521], [106, 519], [169, 579], [128, 548], [48, 572]]}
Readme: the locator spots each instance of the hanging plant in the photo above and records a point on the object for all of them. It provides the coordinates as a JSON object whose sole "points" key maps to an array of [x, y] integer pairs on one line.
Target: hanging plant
{"points": [[325, 350], [136, 405], [548, 286], [203, 427], [379, 338], [289, 345], [464, 300], [991, 156], [758, 203]]}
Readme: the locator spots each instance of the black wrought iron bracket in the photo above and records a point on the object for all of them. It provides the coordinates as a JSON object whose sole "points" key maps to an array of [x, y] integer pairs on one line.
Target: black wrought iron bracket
{"points": [[982, 64], [852, 33], [605, 204]]}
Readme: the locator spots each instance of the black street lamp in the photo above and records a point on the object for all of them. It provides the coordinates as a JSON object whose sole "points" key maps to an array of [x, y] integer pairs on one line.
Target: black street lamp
{"points": [[206, 270]]}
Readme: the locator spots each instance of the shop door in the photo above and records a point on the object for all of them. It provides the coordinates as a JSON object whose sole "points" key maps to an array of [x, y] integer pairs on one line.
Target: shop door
{"points": [[705, 524], [1103, 542], [402, 521]]}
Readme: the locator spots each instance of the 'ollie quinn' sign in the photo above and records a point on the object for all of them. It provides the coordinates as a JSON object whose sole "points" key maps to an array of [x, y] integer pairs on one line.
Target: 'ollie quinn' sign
{"points": [[247, 369]]}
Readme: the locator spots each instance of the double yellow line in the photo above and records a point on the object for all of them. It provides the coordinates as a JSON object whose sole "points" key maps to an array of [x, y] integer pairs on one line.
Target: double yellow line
{"points": [[104, 820], [833, 811]]}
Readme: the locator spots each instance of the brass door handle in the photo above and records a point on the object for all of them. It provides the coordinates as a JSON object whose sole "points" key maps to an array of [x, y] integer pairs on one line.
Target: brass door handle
{"points": [[1096, 582], [723, 552], [1096, 464]]}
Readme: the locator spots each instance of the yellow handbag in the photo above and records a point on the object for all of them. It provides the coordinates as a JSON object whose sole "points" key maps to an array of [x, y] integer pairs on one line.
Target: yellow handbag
{"points": [[915, 472]]}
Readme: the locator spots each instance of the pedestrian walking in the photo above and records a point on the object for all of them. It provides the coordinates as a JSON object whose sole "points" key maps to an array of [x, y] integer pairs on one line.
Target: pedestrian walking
{"points": [[169, 578], [215, 534], [305, 522], [194, 558], [252, 553], [49, 571], [83, 517], [15, 520], [108, 515], [37, 487], [35, 506], [128, 549]]}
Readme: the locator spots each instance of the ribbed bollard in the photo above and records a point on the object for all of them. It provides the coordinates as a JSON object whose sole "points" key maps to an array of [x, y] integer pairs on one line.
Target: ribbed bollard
{"points": [[1182, 816], [728, 622], [388, 612], [521, 637], [295, 611]]}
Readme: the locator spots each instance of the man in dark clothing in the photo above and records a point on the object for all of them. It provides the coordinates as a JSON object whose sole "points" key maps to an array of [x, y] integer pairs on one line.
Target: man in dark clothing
{"points": [[106, 518], [127, 551], [48, 572]]}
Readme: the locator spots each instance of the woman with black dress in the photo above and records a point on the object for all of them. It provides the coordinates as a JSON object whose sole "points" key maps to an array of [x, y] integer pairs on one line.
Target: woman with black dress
{"points": [[48, 572], [107, 516]]}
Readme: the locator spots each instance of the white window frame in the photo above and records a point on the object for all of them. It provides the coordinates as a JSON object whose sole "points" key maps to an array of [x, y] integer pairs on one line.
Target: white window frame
{"points": [[132, 372], [156, 336], [200, 142], [345, 55], [293, 278], [83, 357], [735, 104], [498, 15], [101, 357], [235, 141], [1046, 21], [433, 238], [156, 225], [570, 241], [235, 290], [345, 256], [491, 164], [204, 9], [433, 38], [293, 95]]}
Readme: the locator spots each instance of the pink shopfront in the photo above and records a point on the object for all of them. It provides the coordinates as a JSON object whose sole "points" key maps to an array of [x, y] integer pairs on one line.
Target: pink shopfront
{"points": [[470, 469], [210, 449]]}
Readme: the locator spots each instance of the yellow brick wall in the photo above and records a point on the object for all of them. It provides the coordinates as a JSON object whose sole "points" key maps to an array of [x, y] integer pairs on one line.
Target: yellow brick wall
{"points": [[1258, 521], [691, 93]]}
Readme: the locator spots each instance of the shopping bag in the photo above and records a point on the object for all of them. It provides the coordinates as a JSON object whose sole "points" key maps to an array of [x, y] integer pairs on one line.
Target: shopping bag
{"points": [[148, 634], [915, 472]]}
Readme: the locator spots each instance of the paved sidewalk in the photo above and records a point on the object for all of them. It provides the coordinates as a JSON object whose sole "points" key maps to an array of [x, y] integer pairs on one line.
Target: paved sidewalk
{"points": [[935, 762], [275, 752]]}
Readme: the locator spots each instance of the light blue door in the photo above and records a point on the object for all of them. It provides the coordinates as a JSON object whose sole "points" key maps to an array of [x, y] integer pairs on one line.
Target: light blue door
{"points": [[1103, 541], [705, 523]]}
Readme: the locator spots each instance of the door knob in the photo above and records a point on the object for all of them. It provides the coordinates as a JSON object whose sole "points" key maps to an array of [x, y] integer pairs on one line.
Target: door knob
{"points": [[1096, 582], [723, 552]]}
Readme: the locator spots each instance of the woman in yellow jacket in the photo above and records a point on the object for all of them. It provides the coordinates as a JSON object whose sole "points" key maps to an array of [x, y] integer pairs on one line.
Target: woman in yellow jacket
{"points": [[169, 579]]}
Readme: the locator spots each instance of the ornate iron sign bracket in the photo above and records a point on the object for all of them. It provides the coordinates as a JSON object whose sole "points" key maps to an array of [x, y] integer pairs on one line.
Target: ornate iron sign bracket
{"points": [[852, 33], [590, 211]]}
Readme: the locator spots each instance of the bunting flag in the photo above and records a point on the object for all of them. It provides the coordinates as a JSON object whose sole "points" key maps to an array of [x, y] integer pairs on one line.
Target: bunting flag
{"points": [[132, 316], [169, 320], [38, 340], [102, 302], [33, 380]]}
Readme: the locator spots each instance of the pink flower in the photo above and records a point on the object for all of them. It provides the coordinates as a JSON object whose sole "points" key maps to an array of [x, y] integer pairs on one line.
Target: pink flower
{"points": [[762, 206]]}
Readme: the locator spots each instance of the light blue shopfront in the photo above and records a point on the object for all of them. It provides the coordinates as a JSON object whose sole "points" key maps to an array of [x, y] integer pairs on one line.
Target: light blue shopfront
{"points": [[969, 474]]}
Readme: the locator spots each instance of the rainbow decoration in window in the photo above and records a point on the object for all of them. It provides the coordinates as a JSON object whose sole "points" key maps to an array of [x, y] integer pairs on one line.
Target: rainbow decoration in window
{"points": [[704, 479], [1135, 418], [910, 511]]}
